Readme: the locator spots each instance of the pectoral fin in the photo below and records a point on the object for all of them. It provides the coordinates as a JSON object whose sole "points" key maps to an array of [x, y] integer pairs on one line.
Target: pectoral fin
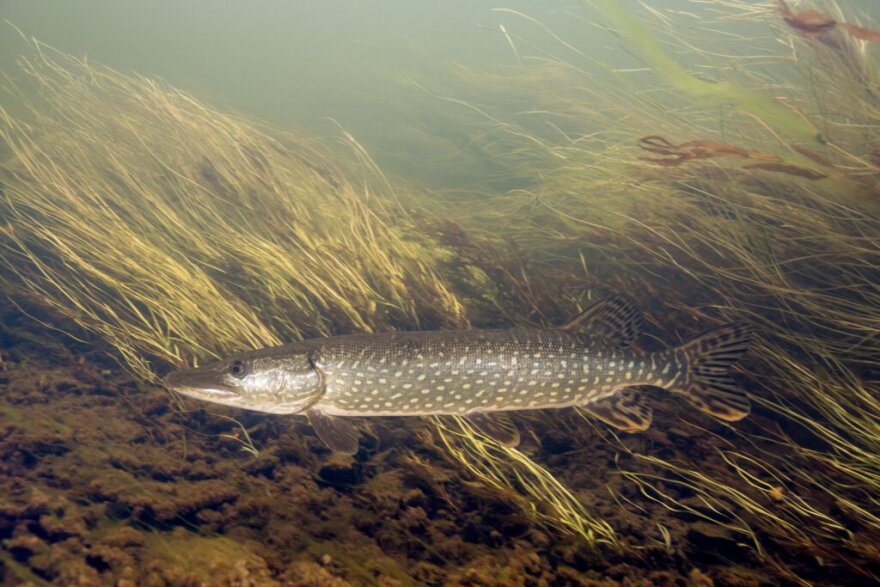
{"points": [[499, 427], [337, 433], [625, 410], [615, 320]]}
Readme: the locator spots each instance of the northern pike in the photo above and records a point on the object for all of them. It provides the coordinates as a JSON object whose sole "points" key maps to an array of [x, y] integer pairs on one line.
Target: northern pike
{"points": [[478, 374]]}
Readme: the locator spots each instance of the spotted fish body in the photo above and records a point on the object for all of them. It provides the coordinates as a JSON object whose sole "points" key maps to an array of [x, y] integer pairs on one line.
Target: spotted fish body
{"points": [[422, 373], [478, 374]]}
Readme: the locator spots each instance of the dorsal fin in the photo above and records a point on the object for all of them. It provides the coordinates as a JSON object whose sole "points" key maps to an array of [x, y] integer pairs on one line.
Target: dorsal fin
{"points": [[615, 321], [496, 426], [625, 410], [337, 433]]}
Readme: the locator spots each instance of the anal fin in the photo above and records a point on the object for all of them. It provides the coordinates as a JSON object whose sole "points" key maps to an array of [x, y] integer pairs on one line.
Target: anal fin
{"points": [[625, 410], [337, 433], [496, 426]]}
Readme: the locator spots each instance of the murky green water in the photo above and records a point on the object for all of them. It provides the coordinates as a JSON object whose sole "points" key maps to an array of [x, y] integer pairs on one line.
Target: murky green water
{"points": [[403, 165]]}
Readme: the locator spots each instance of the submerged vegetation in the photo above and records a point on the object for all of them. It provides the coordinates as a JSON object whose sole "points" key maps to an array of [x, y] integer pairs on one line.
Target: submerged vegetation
{"points": [[733, 212], [205, 233], [179, 233]]}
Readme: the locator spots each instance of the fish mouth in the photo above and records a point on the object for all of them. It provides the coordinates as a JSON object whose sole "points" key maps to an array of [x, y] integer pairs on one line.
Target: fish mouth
{"points": [[198, 384], [206, 393]]}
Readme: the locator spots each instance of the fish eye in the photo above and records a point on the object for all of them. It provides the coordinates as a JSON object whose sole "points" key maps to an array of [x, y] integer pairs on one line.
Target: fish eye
{"points": [[238, 369]]}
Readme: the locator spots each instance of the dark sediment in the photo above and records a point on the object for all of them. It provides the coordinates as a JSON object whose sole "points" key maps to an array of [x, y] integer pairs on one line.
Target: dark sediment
{"points": [[104, 481]]}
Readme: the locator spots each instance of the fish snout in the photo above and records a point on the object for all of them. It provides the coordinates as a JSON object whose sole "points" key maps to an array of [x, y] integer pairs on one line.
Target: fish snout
{"points": [[171, 380], [198, 383]]}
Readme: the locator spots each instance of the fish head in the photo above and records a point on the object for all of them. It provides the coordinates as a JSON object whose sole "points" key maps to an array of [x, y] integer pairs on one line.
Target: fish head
{"points": [[275, 381]]}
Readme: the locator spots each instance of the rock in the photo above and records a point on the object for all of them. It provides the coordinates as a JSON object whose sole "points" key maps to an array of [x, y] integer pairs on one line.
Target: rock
{"points": [[124, 537], [309, 574], [340, 471], [697, 578], [24, 546]]}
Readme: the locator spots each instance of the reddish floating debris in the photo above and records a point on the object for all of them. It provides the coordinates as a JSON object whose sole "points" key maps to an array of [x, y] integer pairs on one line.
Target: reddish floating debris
{"points": [[673, 155], [813, 156], [812, 23], [677, 154], [809, 22], [789, 169]]}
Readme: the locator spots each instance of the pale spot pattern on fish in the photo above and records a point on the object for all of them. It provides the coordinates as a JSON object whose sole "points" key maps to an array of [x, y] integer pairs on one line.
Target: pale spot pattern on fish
{"points": [[492, 370], [588, 362]]}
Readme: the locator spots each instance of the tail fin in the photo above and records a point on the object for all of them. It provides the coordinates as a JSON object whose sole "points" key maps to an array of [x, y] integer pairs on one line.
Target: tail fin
{"points": [[708, 359]]}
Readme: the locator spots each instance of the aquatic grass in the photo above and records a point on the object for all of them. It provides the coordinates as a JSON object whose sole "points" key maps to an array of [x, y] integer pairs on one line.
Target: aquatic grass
{"points": [[715, 93], [711, 241], [547, 501], [698, 244], [178, 232]]}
